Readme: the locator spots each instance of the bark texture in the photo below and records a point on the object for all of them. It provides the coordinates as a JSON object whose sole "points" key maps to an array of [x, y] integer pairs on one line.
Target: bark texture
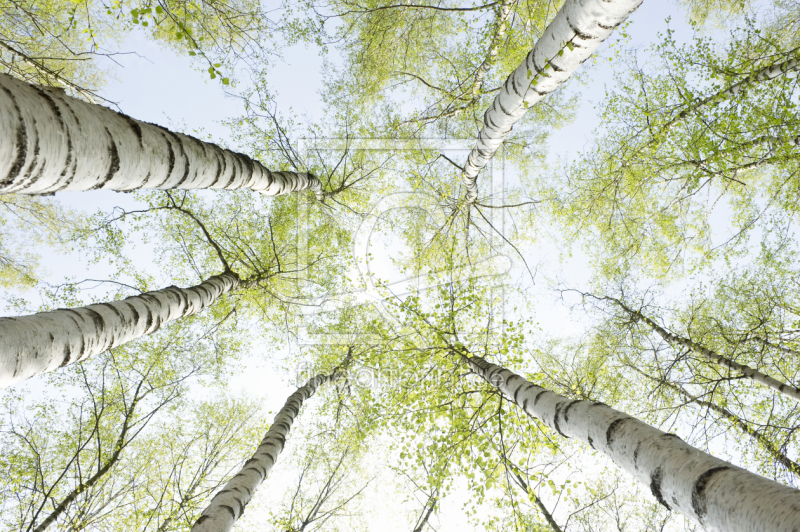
{"points": [[717, 494], [569, 40], [50, 142], [34, 344], [228, 505]]}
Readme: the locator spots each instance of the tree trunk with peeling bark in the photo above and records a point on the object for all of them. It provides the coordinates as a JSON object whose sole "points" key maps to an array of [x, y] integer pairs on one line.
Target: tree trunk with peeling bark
{"points": [[569, 40], [42, 342], [717, 494], [50, 142], [229, 504]]}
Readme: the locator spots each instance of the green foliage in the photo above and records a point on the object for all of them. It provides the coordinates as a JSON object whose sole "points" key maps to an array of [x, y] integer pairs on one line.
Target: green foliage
{"points": [[699, 130], [27, 221]]}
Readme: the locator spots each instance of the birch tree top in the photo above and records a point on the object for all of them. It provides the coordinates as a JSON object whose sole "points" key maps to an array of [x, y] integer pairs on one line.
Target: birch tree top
{"points": [[606, 336]]}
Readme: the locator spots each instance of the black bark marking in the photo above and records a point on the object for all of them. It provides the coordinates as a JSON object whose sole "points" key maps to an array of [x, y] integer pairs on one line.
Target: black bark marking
{"points": [[591, 442], [655, 487], [170, 160], [218, 174], [225, 506], [36, 150], [612, 428], [670, 435], [148, 320], [559, 406], [22, 144], [538, 396], [636, 455], [66, 356], [158, 321], [516, 392], [699, 503], [201, 519], [615, 26], [52, 104], [97, 319], [234, 170], [70, 150], [579, 33], [114, 310], [134, 312], [137, 129], [566, 410], [186, 165], [113, 167]]}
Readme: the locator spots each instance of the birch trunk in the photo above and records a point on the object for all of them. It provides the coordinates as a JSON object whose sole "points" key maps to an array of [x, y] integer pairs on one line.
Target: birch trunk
{"points": [[764, 74], [569, 40], [773, 450], [50, 142], [717, 494], [789, 391], [34, 344], [228, 505]]}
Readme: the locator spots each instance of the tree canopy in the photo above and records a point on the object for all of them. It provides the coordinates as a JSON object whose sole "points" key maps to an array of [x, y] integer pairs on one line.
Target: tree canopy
{"points": [[650, 271]]}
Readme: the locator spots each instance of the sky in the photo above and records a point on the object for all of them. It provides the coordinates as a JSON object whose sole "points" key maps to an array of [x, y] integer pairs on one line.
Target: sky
{"points": [[156, 85]]}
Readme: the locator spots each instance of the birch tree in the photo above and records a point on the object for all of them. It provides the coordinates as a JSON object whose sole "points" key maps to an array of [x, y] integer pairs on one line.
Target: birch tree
{"points": [[46, 341], [715, 493], [183, 459], [569, 40], [229, 504], [53, 142], [712, 356]]}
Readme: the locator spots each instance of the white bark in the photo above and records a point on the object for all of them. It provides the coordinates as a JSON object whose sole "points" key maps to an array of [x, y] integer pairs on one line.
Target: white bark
{"points": [[569, 40], [34, 344], [764, 74], [717, 494], [50, 142], [228, 505]]}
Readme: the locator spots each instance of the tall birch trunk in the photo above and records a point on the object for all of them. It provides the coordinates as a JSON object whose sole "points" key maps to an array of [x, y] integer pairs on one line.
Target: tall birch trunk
{"points": [[34, 344], [791, 392], [717, 494], [569, 40], [228, 505], [50, 142]]}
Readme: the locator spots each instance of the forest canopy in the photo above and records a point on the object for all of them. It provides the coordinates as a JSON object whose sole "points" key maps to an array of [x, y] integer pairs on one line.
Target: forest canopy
{"points": [[518, 265]]}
